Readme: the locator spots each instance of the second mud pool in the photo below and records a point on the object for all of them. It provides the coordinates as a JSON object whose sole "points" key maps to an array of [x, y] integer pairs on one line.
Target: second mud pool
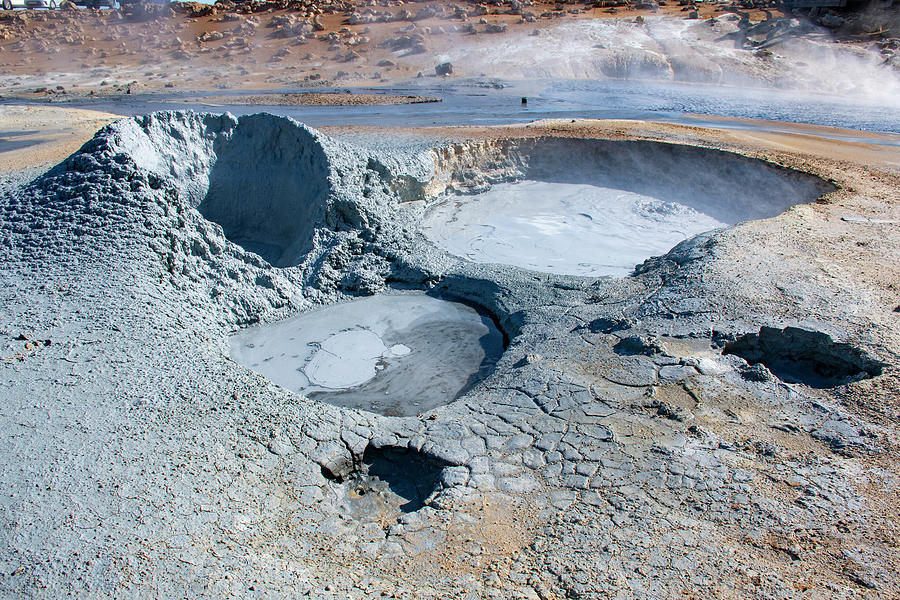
{"points": [[394, 354], [597, 208]]}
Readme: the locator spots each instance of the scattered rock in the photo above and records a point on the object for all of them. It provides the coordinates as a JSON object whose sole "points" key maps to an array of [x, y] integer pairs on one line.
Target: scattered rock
{"points": [[757, 372], [211, 36], [443, 69], [831, 20]]}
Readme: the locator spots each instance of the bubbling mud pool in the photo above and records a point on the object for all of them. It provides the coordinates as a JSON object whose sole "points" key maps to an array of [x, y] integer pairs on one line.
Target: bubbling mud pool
{"points": [[565, 228], [394, 354]]}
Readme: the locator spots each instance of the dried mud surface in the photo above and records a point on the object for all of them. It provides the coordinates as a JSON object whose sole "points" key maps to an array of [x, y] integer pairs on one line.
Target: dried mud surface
{"points": [[614, 452]]}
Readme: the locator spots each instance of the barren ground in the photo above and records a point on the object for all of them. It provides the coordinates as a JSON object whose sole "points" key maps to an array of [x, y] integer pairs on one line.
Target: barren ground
{"points": [[111, 51], [269, 45], [641, 437]]}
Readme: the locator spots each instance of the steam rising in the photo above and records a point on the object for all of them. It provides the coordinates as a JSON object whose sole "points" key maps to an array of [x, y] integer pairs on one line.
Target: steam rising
{"points": [[723, 51]]}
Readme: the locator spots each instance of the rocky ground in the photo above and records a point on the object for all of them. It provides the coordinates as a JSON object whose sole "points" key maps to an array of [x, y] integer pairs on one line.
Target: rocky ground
{"points": [[265, 45], [639, 438]]}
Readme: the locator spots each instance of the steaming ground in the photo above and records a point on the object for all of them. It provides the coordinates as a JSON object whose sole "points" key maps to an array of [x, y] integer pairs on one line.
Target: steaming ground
{"points": [[791, 56], [111, 54], [623, 444]]}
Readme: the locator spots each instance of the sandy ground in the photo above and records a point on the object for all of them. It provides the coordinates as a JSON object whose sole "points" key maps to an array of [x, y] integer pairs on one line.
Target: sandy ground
{"points": [[310, 99], [31, 136]]}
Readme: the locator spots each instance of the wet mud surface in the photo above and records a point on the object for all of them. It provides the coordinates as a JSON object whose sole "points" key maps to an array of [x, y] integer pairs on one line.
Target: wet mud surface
{"points": [[396, 355]]}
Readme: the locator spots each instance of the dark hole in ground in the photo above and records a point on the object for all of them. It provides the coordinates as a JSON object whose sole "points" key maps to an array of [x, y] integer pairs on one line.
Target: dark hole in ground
{"points": [[635, 345], [798, 355], [409, 475], [604, 325], [333, 474]]}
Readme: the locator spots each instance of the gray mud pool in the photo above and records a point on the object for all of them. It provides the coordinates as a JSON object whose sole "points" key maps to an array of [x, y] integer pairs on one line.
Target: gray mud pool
{"points": [[563, 228], [596, 208], [396, 354]]}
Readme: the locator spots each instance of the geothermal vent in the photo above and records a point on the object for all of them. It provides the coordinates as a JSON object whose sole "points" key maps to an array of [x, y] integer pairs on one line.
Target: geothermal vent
{"points": [[394, 354], [600, 207], [264, 179]]}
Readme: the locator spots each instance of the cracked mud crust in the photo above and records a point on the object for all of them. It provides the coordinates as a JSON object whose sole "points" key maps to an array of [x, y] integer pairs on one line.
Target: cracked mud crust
{"points": [[615, 450]]}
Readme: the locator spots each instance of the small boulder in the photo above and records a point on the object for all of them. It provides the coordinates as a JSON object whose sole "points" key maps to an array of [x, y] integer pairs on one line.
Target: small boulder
{"points": [[831, 20], [443, 69]]}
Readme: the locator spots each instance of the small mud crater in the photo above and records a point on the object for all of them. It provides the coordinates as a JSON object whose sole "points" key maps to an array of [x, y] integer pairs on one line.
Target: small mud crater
{"points": [[388, 482], [812, 358]]}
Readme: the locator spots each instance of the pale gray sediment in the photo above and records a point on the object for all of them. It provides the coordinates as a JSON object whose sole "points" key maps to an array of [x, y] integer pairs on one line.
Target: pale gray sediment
{"points": [[393, 354], [15, 179], [141, 460]]}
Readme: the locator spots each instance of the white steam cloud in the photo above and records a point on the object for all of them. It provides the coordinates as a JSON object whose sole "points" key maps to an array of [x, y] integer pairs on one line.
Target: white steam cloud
{"points": [[660, 48]]}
